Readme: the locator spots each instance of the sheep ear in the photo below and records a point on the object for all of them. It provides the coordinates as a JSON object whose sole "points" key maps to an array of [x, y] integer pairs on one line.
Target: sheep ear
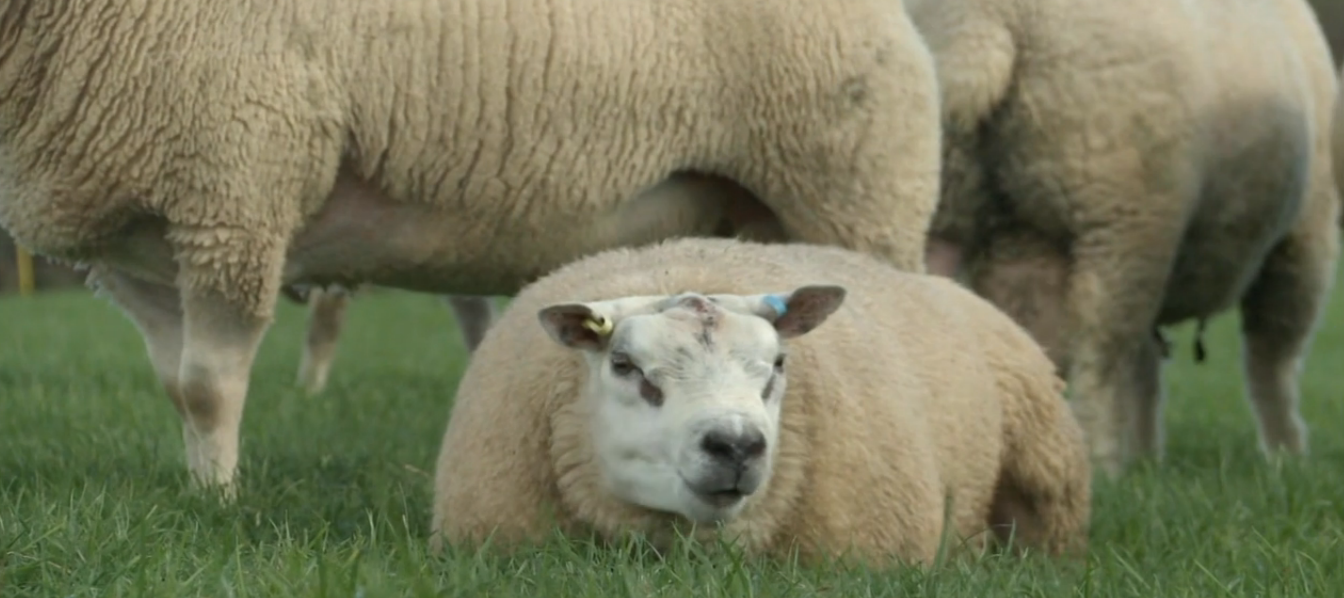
{"points": [[576, 326], [799, 312]]}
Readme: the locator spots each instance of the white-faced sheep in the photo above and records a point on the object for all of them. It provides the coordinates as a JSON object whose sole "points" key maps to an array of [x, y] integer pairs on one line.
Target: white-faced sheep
{"points": [[199, 155], [654, 395], [1115, 167]]}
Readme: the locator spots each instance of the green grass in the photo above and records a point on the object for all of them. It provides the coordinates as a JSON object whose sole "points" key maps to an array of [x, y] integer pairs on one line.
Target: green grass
{"points": [[337, 488]]}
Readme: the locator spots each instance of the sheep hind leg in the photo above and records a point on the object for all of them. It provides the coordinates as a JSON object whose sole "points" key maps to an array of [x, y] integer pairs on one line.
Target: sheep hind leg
{"points": [[326, 314], [474, 316], [1113, 296], [1279, 314]]}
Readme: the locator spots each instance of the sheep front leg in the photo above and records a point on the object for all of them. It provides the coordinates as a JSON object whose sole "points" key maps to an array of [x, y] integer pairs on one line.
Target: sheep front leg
{"points": [[156, 311], [220, 341], [229, 286], [326, 314], [1278, 318]]}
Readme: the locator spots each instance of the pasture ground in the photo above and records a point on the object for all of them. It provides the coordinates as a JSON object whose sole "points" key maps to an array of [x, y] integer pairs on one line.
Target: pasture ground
{"points": [[337, 488]]}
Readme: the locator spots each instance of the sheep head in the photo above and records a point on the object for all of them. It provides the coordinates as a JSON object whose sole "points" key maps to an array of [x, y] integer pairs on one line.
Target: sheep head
{"points": [[685, 390]]}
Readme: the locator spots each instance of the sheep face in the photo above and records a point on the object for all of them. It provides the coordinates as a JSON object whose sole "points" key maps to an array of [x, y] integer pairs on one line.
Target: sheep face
{"points": [[685, 391]]}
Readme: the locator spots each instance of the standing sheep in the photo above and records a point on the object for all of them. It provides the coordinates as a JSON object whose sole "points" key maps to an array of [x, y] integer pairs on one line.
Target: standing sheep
{"points": [[199, 155], [639, 390], [1116, 167]]}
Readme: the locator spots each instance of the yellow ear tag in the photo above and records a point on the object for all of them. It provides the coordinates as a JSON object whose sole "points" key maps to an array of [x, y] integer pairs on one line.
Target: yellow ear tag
{"points": [[598, 324]]}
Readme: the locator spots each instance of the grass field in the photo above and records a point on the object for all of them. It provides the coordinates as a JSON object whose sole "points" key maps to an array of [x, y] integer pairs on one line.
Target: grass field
{"points": [[337, 488]]}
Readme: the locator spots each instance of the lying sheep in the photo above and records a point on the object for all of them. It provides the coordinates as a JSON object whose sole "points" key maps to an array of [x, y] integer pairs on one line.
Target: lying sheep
{"points": [[201, 156], [639, 390], [1114, 167], [326, 313]]}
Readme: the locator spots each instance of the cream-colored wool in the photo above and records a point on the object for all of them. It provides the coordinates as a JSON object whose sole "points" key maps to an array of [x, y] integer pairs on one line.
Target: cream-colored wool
{"points": [[198, 155], [1116, 167], [914, 391]]}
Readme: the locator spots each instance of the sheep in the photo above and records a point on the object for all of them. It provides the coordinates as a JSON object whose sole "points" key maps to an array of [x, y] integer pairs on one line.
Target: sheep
{"points": [[326, 312], [197, 156], [614, 395], [1114, 168]]}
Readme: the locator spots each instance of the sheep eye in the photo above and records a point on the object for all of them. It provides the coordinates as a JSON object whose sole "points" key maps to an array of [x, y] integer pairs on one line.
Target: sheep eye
{"points": [[650, 393], [621, 365], [779, 362]]}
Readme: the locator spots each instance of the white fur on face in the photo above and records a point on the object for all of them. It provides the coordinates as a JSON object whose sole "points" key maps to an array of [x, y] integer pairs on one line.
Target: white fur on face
{"points": [[665, 385]]}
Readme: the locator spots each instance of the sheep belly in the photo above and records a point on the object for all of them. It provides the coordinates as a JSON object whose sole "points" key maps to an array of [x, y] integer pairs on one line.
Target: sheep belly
{"points": [[486, 247]]}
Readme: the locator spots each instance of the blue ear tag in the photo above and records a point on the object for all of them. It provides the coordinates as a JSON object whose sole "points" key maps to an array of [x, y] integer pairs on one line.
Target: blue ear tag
{"points": [[777, 304]]}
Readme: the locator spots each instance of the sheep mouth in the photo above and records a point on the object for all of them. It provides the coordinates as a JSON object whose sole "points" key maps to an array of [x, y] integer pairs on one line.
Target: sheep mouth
{"points": [[721, 499]]}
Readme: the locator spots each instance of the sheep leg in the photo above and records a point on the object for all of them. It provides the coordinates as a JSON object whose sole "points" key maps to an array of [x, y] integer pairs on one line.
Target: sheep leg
{"points": [[1113, 296], [220, 338], [1279, 314], [156, 311], [326, 313], [1146, 434], [474, 317]]}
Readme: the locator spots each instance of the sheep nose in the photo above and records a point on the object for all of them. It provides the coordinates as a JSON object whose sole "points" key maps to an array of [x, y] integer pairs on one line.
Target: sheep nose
{"points": [[733, 448]]}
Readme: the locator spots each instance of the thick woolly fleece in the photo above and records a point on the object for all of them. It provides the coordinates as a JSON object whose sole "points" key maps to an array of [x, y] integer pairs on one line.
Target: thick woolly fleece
{"points": [[914, 392], [1113, 167], [529, 121]]}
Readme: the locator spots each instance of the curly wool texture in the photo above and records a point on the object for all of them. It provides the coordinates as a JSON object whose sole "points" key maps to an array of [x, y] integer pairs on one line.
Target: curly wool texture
{"points": [[527, 120], [1115, 167], [915, 391]]}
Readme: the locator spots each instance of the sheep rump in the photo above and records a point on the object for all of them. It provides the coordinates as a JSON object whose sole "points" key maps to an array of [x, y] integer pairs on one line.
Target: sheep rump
{"points": [[1116, 167], [914, 380]]}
